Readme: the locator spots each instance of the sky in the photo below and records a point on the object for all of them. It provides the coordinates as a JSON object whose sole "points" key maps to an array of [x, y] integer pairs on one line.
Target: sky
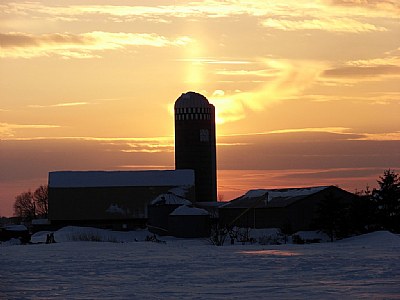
{"points": [[306, 92]]}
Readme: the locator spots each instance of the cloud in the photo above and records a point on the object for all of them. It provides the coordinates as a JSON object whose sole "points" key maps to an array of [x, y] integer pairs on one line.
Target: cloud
{"points": [[391, 6], [343, 133], [290, 79], [338, 16], [66, 104], [7, 130], [361, 70], [337, 130], [386, 136], [332, 25], [214, 61], [163, 144], [85, 45], [334, 130]]}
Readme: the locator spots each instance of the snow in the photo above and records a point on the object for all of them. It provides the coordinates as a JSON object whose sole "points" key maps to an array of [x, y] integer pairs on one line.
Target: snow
{"points": [[363, 267], [185, 210], [283, 193], [170, 198], [313, 235], [40, 222], [63, 179], [16, 228]]}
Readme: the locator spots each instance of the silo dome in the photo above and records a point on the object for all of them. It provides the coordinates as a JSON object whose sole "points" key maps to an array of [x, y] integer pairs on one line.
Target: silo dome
{"points": [[191, 99]]}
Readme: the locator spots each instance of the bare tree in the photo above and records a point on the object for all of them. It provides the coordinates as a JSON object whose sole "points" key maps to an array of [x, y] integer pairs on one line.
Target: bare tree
{"points": [[30, 205], [24, 206], [41, 200]]}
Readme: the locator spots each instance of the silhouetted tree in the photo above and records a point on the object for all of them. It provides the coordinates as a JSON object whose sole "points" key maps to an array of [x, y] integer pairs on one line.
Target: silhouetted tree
{"points": [[30, 205], [24, 206], [387, 198], [41, 199]]}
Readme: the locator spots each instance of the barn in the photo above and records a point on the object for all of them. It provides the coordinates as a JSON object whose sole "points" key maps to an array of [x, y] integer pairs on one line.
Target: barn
{"points": [[112, 198], [292, 209]]}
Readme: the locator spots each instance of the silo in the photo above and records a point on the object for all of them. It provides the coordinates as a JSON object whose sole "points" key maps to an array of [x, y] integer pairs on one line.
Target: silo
{"points": [[195, 143]]}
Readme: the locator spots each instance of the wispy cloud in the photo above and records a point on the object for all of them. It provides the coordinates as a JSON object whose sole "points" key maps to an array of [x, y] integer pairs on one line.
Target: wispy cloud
{"points": [[373, 69], [66, 104], [386, 136], [333, 25], [376, 98], [334, 16], [164, 144], [85, 45], [290, 79], [344, 133], [336, 130], [7, 130], [391, 6], [215, 61]]}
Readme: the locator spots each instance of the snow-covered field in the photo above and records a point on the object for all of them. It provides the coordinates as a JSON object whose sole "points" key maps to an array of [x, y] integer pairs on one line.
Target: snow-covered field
{"points": [[127, 267]]}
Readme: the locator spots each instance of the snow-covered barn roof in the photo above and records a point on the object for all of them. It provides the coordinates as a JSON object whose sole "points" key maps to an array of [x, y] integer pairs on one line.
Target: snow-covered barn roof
{"points": [[64, 179], [185, 210], [272, 197]]}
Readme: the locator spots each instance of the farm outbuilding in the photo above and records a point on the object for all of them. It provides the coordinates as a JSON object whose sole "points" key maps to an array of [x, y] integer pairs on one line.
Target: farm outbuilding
{"points": [[292, 209], [189, 222], [112, 197], [159, 210]]}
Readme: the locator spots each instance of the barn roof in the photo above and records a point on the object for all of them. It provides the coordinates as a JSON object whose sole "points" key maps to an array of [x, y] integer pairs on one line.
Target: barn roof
{"points": [[64, 179], [272, 197]]}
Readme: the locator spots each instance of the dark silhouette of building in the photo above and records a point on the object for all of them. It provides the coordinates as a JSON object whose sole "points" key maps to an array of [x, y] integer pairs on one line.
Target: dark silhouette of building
{"points": [[292, 209], [195, 143], [112, 197]]}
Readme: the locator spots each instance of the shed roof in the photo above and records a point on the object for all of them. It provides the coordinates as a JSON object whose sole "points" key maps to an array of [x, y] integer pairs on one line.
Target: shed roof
{"points": [[272, 197], [64, 179], [185, 210]]}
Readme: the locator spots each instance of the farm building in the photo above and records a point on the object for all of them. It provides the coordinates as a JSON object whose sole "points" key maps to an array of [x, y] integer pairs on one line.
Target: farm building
{"points": [[292, 209], [159, 210], [112, 197], [189, 222]]}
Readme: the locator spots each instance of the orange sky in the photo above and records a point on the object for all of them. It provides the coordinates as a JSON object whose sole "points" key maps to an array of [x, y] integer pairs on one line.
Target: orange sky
{"points": [[306, 92]]}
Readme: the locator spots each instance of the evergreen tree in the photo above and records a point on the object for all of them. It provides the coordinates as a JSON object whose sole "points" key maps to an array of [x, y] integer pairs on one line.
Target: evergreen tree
{"points": [[387, 198]]}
